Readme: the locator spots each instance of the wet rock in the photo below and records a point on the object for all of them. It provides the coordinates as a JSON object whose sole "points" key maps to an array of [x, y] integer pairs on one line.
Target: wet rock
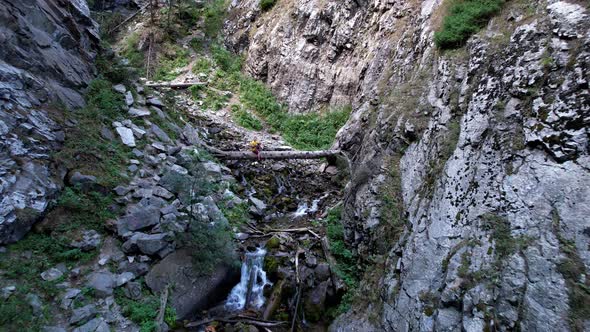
{"points": [[192, 292], [83, 314], [315, 302], [51, 274], [322, 271]]}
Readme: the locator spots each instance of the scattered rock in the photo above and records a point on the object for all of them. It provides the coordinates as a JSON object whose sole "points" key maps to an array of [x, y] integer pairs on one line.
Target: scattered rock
{"points": [[138, 112], [7, 291], [133, 290], [126, 135], [155, 101], [35, 302], [160, 134], [103, 282], [95, 325], [51, 274], [120, 88], [90, 241], [129, 98], [83, 314]]}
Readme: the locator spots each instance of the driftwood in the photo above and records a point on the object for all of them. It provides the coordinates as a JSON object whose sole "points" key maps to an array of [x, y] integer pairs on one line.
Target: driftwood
{"points": [[162, 311], [339, 284], [173, 85], [275, 300], [129, 18], [270, 232], [237, 319], [299, 290]]}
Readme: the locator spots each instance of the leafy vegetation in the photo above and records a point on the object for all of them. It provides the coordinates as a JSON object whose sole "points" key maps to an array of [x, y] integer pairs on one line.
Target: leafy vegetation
{"points": [[144, 312], [304, 131], [463, 19], [84, 148], [236, 214], [214, 13], [346, 261], [209, 244], [131, 51], [266, 5]]}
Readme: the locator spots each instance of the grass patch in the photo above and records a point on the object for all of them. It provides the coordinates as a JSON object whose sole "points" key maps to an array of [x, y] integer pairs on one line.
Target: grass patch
{"points": [[245, 119], [463, 19], [172, 58], [132, 52], [84, 148], [303, 131], [144, 312]]}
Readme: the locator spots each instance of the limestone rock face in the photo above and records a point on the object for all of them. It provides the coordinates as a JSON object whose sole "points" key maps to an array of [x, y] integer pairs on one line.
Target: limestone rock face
{"points": [[470, 172], [45, 59]]}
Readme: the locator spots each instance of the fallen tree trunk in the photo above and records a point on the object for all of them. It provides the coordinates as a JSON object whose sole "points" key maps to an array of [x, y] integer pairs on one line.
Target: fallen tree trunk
{"points": [[237, 319], [248, 155], [173, 85]]}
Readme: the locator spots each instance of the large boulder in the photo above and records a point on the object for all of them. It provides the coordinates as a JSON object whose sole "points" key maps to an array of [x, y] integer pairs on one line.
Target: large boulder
{"points": [[192, 290]]}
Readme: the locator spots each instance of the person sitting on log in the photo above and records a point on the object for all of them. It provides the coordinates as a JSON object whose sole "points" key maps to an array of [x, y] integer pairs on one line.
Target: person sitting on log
{"points": [[256, 147]]}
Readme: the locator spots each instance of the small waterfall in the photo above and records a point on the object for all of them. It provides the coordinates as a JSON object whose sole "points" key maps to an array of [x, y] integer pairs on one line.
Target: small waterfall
{"points": [[303, 208], [249, 292]]}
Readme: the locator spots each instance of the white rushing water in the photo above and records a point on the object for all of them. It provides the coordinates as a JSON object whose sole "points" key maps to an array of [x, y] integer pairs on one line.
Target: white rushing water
{"points": [[249, 293], [303, 208]]}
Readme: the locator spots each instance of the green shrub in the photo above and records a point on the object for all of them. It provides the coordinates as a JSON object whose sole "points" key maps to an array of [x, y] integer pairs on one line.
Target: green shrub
{"points": [[346, 261], [464, 18], [214, 13], [142, 312], [209, 245], [227, 61], [203, 65], [131, 51], [267, 4]]}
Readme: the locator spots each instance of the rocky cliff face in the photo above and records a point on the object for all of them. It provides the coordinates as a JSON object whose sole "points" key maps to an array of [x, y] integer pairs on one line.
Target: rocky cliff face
{"points": [[45, 61], [470, 167]]}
